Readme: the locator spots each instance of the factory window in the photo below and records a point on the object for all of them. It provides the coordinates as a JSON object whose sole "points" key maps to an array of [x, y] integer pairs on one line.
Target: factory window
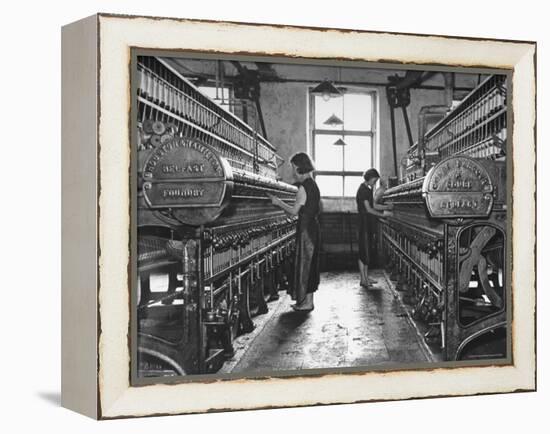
{"points": [[342, 133], [220, 95]]}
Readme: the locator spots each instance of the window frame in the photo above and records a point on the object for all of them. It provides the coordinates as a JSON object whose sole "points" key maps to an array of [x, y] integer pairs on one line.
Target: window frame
{"points": [[372, 133]]}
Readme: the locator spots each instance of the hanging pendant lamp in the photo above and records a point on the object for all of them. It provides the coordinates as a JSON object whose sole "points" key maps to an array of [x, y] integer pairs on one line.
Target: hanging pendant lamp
{"points": [[340, 142], [327, 90], [333, 121]]}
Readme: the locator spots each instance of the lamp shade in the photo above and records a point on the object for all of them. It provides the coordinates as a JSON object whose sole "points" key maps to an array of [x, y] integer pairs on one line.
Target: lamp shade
{"points": [[339, 142], [333, 121], [326, 89]]}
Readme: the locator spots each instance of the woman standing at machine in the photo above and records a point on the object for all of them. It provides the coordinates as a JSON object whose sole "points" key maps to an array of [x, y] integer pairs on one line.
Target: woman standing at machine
{"points": [[368, 212], [307, 208]]}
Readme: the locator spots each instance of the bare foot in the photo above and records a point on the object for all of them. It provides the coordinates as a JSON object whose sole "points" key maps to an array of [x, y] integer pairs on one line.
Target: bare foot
{"points": [[302, 309]]}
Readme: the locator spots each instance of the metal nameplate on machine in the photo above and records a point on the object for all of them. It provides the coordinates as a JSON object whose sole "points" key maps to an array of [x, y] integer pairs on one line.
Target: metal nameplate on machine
{"points": [[185, 173], [458, 187]]}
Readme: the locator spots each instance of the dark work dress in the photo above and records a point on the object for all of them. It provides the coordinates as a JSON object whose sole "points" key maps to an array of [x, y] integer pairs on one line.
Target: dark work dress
{"points": [[367, 225], [308, 241]]}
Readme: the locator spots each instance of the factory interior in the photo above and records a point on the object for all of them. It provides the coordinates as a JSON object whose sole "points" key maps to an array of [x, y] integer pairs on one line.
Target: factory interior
{"points": [[217, 259]]}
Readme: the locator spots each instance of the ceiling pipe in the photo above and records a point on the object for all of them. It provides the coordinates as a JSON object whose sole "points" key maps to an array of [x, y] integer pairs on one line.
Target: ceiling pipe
{"points": [[449, 80], [410, 79]]}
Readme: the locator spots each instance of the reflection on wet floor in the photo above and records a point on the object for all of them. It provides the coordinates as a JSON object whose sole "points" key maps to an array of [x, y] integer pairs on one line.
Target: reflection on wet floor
{"points": [[350, 327]]}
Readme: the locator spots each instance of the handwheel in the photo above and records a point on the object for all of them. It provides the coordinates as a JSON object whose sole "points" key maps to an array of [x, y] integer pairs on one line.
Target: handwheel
{"points": [[153, 363]]}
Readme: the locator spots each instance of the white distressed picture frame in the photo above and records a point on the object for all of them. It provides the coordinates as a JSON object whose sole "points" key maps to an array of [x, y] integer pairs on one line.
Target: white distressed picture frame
{"points": [[96, 215]]}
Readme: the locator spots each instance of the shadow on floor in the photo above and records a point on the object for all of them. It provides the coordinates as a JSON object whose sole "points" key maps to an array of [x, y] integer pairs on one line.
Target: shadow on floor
{"points": [[52, 398], [292, 320]]}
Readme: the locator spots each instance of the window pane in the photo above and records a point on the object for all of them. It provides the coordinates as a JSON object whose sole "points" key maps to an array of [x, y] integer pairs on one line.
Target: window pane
{"points": [[329, 185], [327, 155], [325, 109], [210, 92], [351, 184], [357, 153], [357, 111]]}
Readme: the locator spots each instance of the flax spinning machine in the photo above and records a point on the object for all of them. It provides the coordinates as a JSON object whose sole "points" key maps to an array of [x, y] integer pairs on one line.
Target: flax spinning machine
{"points": [[445, 244], [212, 249]]}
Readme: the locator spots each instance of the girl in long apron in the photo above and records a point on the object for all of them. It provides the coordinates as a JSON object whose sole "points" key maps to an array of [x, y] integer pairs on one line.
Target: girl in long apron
{"points": [[368, 212], [307, 207]]}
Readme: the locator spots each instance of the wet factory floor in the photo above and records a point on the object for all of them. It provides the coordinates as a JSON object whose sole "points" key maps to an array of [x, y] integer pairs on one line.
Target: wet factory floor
{"points": [[350, 327]]}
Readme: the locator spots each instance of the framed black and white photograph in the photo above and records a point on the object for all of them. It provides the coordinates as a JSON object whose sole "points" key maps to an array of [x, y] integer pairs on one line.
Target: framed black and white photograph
{"points": [[291, 216], [216, 254]]}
